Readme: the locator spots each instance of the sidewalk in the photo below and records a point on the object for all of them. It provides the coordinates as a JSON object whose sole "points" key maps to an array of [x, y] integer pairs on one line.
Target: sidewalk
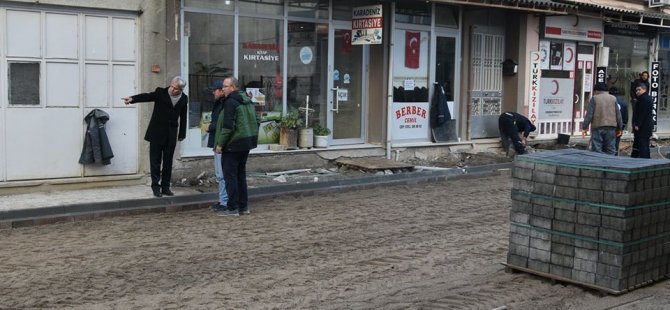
{"points": [[66, 206]]}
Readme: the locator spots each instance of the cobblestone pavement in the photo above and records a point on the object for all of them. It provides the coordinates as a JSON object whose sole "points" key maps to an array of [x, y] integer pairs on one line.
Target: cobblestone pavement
{"points": [[422, 246]]}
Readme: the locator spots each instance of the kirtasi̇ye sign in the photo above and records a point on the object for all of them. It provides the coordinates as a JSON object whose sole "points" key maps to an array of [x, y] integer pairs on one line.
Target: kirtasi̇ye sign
{"points": [[366, 25], [260, 52]]}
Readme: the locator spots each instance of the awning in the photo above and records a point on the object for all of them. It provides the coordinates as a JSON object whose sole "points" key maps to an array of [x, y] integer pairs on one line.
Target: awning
{"points": [[620, 11], [537, 6]]}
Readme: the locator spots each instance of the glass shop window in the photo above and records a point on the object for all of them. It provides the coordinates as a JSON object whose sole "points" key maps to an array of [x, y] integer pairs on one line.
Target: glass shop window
{"points": [[24, 83]]}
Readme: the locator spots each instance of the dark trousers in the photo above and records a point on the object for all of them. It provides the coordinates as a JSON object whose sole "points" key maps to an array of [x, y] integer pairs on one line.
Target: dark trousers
{"points": [[160, 153], [640, 146], [508, 130], [234, 173]]}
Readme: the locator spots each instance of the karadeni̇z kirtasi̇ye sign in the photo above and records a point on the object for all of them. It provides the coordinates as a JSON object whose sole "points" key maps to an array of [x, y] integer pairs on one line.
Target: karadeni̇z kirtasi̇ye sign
{"points": [[366, 25]]}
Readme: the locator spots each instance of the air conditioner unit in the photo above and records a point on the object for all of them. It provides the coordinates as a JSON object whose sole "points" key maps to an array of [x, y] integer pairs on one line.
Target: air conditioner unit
{"points": [[657, 3]]}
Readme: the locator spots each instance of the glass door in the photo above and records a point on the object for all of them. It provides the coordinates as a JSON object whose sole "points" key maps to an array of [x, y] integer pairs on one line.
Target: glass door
{"points": [[445, 72], [346, 101]]}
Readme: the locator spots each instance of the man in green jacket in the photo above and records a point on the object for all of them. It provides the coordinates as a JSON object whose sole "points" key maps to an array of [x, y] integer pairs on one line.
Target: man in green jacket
{"points": [[236, 134]]}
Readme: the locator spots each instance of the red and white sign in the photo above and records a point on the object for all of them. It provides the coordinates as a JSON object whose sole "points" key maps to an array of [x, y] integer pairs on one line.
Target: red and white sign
{"points": [[534, 86], [570, 56], [410, 120], [366, 25], [573, 28]]}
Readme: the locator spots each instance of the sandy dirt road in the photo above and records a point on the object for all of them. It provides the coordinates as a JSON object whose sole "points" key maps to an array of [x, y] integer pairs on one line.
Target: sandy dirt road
{"points": [[423, 246]]}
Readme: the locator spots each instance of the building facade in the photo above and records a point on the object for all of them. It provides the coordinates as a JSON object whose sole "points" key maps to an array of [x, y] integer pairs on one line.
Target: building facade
{"points": [[368, 70]]}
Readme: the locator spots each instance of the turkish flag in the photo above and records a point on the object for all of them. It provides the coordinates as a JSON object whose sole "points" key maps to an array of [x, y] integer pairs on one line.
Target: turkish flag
{"points": [[346, 41], [412, 49]]}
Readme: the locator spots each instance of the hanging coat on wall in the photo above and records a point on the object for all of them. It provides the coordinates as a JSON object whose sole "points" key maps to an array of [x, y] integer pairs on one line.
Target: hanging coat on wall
{"points": [[439, 109], [96, 144]]}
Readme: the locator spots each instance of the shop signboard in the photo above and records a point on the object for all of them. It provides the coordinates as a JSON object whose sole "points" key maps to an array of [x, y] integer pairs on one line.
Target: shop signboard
{"points": [[410, 120], [367, 25], [556, 99], [573, 28], [534, 87], [654, 87], [601, 74]]}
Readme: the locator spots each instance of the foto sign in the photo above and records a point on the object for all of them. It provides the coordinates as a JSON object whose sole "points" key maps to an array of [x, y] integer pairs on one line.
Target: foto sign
{"points": [[366, 25], [654, 87]]}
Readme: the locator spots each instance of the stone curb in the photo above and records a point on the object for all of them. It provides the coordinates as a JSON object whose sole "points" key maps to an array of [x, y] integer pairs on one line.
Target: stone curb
{"points": [[89, 211]]}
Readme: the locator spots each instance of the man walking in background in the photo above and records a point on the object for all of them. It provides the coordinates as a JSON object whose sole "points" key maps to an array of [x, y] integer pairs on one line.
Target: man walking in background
{"points": [[604, 116], [167, 125], [236, 134]]}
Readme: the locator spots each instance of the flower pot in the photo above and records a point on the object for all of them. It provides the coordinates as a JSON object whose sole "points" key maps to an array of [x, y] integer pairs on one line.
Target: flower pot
{"points": [[289, 138], [306, 138], [320, 141]]}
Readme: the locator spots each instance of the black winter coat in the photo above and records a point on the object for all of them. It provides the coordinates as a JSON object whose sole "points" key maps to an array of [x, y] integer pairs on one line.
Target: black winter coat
{"points": [[216, 110], [96, 144], [166, 118], [439, 109], [643, 116]]}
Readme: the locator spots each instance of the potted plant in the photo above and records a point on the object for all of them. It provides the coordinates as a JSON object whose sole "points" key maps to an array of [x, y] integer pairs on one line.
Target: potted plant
{"points": [[321, 134], [288, 135]]}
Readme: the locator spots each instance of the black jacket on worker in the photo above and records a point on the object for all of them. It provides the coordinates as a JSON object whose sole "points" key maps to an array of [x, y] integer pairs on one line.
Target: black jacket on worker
{"points": [[643, 118], [167, 124], [211, 129], [510, 124]]}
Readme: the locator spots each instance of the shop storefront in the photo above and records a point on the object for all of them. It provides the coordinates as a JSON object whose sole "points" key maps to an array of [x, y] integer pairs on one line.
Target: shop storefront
{"points": [[567, 47]]}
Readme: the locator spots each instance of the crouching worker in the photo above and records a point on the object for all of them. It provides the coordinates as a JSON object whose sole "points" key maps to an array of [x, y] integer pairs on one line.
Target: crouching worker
{"points": [[512, 124]]}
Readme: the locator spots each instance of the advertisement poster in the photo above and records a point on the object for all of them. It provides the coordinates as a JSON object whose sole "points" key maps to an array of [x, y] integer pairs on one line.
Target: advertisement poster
{"points": [[556, 56], [556, 99], [410, 120], [256, 96], [366, 25], [570, 56], [544, 55]]}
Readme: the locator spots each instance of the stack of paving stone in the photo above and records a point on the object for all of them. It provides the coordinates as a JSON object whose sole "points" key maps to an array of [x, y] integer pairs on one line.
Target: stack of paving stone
{"points": [[592, 219]]}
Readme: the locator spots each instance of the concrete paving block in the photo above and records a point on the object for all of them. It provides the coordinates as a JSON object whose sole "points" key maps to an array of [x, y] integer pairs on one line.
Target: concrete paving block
{"points": [[520, 195], [519, 217], [586, 254], [588, 219], [519, 250], [561, 271], [591, 173], [562, 260], [591, 183], [610, 259], [522, 207], [522, 173], [540, 235], [523, 185], [618, 186], [586, 231], [543, 211], [590, 195], [537, 265], [609, 271], [519, 240], [585, 208], [565, 192], [546, 168], [543, 189], [517, 260], [584, 276], [519, 230], [567, 171], [566, 180], [557, 239], [540, 244], [562, 249], [539, 255], [586, 245], [585, 265], [543, 177], [563, 226], [542, 201], [524, 164], [564, 205], [539, 221], [614, 222], [565, 215]]}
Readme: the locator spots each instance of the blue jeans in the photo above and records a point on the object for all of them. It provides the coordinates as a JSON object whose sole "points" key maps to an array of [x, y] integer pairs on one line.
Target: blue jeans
{"points": [[603, 140], [218, 171]]}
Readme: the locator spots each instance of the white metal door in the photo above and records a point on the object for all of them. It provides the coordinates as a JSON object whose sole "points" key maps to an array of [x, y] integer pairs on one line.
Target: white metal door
{"points": [[487, 48]]}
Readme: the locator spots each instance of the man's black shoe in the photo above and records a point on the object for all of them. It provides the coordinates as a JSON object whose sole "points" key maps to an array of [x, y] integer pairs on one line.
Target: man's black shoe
{"points": [[167, 192], [157, 192]]}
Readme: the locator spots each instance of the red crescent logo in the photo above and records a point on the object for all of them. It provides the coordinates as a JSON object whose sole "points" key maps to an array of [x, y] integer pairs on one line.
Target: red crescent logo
{"points": [[557, 88], [576, 21], [537, 56], [572, 55]]}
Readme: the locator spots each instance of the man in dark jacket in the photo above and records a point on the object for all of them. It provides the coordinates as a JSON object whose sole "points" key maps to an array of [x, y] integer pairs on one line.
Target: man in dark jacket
{"points": [[236, 134], [510, 124], [623, 108], [168, 118], [643, 123], [217, 91]]}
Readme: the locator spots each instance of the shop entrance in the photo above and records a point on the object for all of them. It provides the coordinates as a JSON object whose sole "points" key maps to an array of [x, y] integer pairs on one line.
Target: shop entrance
{"points": [[346, 102]]}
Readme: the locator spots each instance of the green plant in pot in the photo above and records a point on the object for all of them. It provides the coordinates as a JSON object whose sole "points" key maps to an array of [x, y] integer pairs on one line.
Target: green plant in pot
{"points": [[288, 135], [321, 134]]}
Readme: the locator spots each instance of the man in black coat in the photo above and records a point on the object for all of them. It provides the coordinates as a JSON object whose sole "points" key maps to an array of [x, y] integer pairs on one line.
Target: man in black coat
{"points": [[643, 123], [510, 124], [167, 124]]}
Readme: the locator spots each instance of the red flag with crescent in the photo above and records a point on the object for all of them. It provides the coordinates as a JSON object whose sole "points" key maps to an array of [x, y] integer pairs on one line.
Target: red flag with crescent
{"points": [[346, 41], [412, 49]]}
